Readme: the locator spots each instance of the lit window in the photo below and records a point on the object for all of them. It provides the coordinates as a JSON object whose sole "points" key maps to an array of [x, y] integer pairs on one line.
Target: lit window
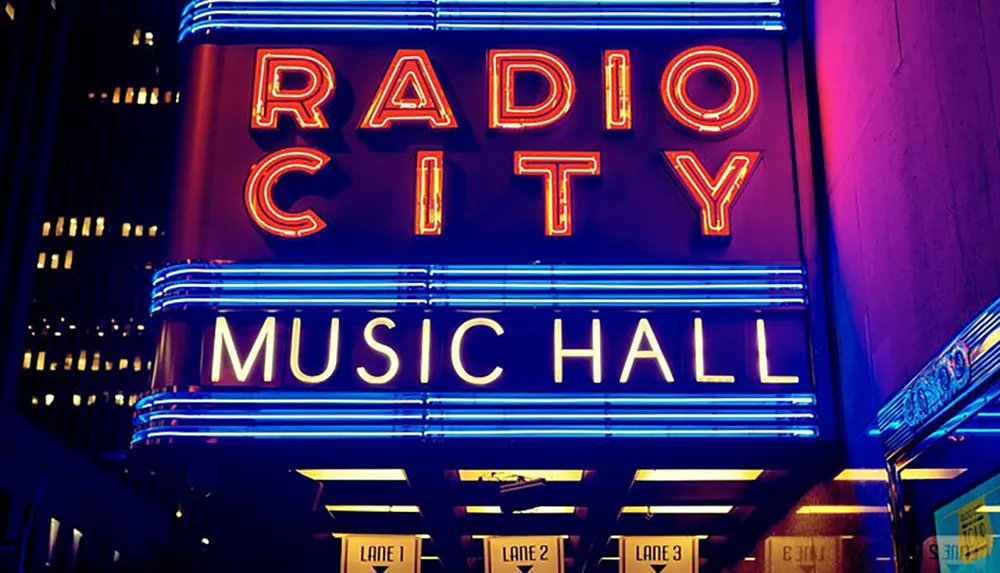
{"points": [[41, 261], [126, 229], [27, 360], [81, 362], [138, 230], [133, 399], [152, 230], [129, 95], [154, 96], [119, 399], [40, 361], [68, 261], [141, 100], [107, 363], [86, 227], [123, 363], [77, 399], [46, 228], [60, 222], [149, 365], [68, 363], [100, 226], [49, 399], [149, 38], [34, 400], [92, 399], [177, 98], [135, 36], [104, 96], [91, 95], [117, 97], [10, 10], [72, 226], [168, 96], [54, 261], [137, 364], [95, 364]]}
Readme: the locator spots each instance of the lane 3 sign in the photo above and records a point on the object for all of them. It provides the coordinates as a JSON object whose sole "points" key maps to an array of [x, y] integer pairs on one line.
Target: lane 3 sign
{"points": [[658, 555]]}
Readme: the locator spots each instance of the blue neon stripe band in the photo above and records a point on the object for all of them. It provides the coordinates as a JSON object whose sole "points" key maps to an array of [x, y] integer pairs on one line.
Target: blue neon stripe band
{"points": [[797, 432], [331, 415], [276, 286], [278, 397], [455, 15]]}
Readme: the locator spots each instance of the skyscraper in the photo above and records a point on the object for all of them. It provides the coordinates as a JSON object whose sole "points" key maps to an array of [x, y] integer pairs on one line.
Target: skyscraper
{"points": [[89, 349]]}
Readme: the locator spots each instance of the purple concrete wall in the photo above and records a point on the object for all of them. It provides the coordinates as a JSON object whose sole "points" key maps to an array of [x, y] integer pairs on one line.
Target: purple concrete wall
{"points": [[910, 108]]}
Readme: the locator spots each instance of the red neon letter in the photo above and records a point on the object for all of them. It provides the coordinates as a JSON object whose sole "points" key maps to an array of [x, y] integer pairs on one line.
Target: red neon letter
{"points": [[504, 66], [410, 91], [730, 115], [556, 169], [714, 195], [430, 180], [257, 194], [271, 99], [617, 89]]}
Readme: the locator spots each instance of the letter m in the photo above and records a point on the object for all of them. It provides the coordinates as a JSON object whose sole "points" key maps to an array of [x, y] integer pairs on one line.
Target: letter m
{"points": [[242, 368]]}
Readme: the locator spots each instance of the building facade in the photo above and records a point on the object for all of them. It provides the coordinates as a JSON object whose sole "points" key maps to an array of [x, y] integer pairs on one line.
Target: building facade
{"points": [[350, 278]]}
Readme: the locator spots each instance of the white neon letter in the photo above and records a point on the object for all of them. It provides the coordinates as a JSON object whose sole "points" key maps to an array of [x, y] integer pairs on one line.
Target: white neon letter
{"points": [[765, 376], [331, 361], [456, 352], [699, 359], [594, 352], [377, 346], [224, 337], [644, 331]]}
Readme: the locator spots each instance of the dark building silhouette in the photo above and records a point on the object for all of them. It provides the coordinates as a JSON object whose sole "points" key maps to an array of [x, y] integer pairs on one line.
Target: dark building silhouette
{"points": [[88, 350]]}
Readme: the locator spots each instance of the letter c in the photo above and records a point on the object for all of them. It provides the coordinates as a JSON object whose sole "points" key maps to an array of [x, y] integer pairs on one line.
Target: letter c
{"points": [[456, 352]]}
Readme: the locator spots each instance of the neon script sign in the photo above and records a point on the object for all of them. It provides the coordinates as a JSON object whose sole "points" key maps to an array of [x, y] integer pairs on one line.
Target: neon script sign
{"points": [[294, 85]]}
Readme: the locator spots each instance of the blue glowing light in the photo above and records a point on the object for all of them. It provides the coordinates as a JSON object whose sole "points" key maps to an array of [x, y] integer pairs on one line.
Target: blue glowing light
{"points": [[276, 287], [203, 16], [320, 415]]}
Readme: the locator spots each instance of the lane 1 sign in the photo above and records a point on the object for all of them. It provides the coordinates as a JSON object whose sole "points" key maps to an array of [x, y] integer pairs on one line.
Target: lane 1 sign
{"points": [[542, 554], [658, 555], [380, 554]]}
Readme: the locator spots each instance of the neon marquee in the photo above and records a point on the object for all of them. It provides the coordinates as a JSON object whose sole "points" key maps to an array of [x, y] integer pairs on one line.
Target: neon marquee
{"points": [[449, 230]]}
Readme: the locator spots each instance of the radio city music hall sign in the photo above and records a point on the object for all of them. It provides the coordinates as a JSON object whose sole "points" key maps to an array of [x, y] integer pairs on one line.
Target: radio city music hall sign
{"points": [[293, 86]]}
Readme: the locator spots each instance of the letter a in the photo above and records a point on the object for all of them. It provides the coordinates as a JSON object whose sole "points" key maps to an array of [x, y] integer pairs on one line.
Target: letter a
{"points": [[410, 92]]}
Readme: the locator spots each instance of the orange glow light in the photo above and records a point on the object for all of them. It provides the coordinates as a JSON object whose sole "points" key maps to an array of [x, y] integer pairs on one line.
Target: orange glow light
{"points": [[504, 65], [258, 192], [271, 99], [430, 181], [558, 166], [410, 91], [734, 113], [714, 195], [617, 89]]}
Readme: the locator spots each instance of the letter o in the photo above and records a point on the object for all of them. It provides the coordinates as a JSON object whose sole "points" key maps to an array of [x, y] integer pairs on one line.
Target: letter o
{"points": [[734, 113]]}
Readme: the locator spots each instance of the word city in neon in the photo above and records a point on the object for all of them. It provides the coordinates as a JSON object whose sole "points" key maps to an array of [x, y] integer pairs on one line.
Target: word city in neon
{"points": [[410, 93]]}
